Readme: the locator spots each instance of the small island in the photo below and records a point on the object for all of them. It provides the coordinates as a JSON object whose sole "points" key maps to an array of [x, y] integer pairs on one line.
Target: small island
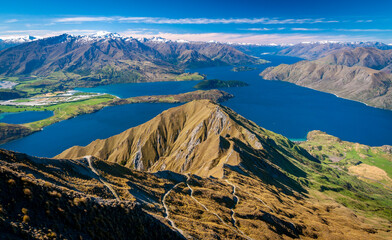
{"points": [[216, 83], [243, 69]]}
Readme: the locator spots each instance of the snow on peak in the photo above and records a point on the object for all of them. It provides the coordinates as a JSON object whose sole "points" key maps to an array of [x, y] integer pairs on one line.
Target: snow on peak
{"points": [[18, 39], [159, 39], [101, 35], [154, 39], [182, 41], [104, 34]]}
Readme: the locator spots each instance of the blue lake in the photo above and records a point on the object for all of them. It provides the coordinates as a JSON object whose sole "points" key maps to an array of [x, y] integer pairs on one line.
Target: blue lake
{"points": [[24, 117], [86, 128], [278, 106]]}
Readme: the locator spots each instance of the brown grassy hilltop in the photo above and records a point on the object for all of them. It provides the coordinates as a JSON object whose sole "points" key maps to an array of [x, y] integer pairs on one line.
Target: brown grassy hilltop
{"points": [[198, 171]]}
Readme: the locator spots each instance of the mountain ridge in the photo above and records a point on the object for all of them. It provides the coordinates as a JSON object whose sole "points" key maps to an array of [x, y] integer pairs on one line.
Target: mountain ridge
{"points": [[313, 51], [354, 81], [66, 61]]}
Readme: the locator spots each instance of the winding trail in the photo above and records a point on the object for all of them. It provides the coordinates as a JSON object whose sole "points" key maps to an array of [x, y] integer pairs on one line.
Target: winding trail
{"points": [[167, 217], [237, 200], [88, 158], [201, 204]]}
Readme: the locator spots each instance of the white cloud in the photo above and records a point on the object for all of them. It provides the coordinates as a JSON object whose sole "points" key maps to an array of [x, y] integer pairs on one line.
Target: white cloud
{"points": [[158, 20], [306, 29], [41, 33], [363, 30], [250, 37], [257, 29], [364, 21], [84, 19], [11, 20]]}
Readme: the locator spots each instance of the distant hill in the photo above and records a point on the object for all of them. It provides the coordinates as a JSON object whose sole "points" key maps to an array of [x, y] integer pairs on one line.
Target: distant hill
{"points": [[345, 73], [365, 57], [313, 51]]}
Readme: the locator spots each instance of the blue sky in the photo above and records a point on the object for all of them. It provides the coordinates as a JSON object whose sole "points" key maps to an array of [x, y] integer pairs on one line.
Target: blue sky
{"points": [[260, 21]]}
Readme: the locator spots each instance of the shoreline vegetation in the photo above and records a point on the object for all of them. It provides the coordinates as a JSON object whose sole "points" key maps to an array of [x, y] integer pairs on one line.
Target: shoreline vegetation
{"points": [[216, 83], [243, 69], [66, 110]]}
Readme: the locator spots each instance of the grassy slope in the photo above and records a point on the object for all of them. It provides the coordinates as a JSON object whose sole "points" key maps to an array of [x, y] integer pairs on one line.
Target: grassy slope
{"points": [[336, 180]]}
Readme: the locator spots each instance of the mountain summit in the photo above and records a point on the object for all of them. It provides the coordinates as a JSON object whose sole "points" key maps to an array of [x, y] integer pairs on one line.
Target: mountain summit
{"points": [[200, 138]]}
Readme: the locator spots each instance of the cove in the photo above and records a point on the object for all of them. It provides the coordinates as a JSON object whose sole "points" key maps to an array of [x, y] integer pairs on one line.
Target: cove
{"points": [[24, 117]]}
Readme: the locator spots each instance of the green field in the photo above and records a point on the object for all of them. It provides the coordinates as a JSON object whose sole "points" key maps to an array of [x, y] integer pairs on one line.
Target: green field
{"points": [[62, 111], [336, 180]]}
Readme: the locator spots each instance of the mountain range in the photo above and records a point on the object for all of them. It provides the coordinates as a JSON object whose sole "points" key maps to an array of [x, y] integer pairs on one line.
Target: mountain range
{"points": [[360, 74], [197, 171], [316, 50], [67, 61], [10, 42]]}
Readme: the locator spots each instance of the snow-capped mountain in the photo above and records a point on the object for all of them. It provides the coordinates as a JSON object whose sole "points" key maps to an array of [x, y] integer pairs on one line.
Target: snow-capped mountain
{"points": [[6, 42], [18, 39]]}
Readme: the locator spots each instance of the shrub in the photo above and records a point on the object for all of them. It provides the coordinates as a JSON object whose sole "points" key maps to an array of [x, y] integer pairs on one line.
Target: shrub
{"points": [[27, 192], [11, 182], [26, 218], [25, 211]]}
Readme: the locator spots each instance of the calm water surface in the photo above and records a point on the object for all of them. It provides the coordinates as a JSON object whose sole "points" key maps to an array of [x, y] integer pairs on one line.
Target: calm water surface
{"points": [[24, 117], [278, 106]]}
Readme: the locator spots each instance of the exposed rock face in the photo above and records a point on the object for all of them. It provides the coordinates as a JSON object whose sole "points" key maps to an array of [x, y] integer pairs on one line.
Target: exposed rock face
{"points": [[363, 84]]}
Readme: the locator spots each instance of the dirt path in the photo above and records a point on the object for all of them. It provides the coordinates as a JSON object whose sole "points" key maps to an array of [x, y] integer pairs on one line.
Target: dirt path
{"points": [[167, 217], [237, 200], [88, 158]]}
